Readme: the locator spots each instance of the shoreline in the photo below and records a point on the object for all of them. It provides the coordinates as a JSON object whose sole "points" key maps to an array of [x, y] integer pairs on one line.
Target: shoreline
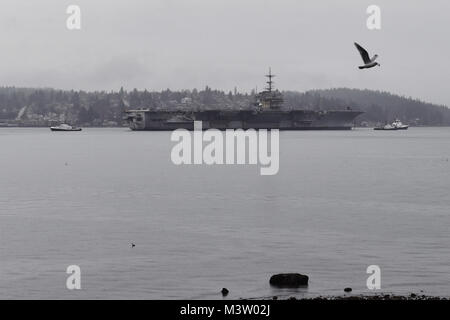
{"points": [[362, 297]]}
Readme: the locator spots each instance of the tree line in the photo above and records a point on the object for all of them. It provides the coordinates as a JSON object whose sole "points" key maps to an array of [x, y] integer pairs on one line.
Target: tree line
{"points": [[100, 107]]}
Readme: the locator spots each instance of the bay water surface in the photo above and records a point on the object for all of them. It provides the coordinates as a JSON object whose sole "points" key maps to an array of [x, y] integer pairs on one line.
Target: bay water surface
{"points": [[341, 201]]}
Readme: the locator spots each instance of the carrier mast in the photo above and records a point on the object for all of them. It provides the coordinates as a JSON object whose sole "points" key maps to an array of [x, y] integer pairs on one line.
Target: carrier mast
{"points": [[270, 82], [270, 98]]}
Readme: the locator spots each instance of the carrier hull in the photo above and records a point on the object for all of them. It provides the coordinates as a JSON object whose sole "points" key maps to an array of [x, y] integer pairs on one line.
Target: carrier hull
{"points": [[152, 120]]}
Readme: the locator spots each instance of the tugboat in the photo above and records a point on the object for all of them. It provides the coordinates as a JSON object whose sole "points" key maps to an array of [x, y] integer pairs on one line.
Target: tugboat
{"points": [[396, 125], [65, 127]]}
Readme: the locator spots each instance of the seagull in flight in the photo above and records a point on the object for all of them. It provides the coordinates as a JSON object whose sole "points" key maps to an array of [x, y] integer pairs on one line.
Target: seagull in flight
{"points": [[368, 62]]}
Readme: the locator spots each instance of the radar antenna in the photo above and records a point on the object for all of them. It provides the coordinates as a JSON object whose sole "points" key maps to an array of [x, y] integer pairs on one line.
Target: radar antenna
{"points": [[270, 82]]}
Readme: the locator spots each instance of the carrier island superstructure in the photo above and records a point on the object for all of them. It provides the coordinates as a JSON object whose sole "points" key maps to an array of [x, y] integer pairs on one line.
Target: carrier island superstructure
{"points": [[268, 112]]}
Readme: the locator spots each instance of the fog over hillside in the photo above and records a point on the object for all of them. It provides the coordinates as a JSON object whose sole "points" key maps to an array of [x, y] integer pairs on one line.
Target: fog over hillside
{"points": [[181, 44]]}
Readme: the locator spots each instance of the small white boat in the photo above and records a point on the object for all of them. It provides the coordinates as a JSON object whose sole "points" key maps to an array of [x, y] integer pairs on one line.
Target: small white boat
{"points": [[396, 125], [65, 127]]}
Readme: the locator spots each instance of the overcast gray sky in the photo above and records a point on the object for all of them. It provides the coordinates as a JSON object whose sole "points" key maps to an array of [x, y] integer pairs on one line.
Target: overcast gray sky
{"points": [[182, 44]]}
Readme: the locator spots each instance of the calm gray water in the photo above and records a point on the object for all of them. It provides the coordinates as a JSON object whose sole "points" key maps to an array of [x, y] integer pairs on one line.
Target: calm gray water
{"points": [[342, 201]]}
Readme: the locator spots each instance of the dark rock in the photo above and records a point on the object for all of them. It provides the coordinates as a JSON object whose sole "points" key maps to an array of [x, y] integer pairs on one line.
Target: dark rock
{"points": [[413, 295], [289, 280], [225, 292], [348, 289], [275, 298]]}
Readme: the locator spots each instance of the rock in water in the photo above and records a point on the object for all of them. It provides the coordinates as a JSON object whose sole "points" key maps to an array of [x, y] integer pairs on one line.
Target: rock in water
{"points": [[289, 280], [225, 292], [348, 289]]}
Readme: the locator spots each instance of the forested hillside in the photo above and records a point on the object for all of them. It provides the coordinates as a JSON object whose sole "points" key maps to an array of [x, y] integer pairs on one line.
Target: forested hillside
{"points": [[384, 106], [42, 107]]}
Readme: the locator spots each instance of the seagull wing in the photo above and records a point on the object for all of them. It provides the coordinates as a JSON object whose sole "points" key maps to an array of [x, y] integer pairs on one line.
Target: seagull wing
{"points": [[363, 53]]}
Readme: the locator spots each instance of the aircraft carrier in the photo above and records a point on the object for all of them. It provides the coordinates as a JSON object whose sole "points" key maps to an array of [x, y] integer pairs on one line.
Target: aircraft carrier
{"points": [[268, 112]]}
